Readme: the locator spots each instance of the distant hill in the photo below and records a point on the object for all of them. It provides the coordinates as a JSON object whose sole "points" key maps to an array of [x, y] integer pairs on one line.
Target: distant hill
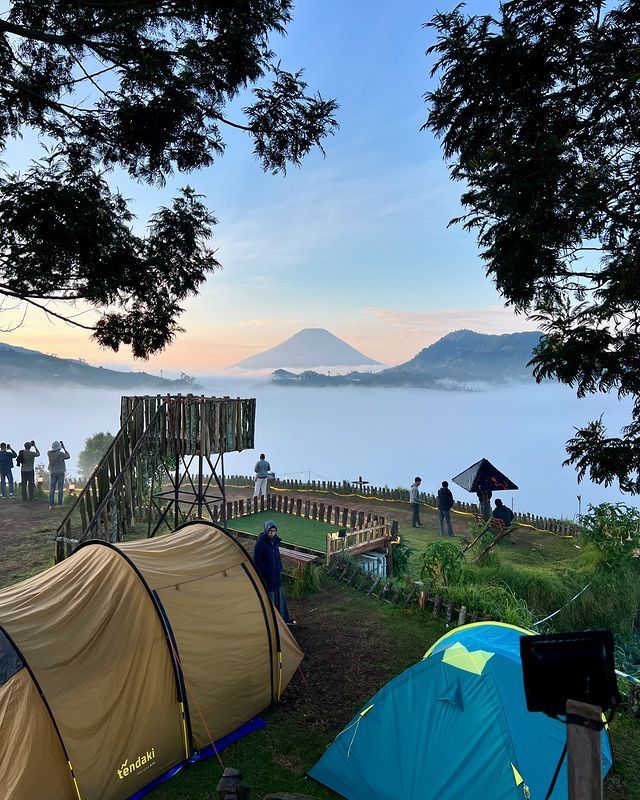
{"points": [[311, 347], [468, 356], [460, 360], [19, 365]]}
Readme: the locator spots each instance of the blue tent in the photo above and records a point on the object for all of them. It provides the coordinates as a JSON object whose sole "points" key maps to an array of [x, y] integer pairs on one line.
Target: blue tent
{"points": [[453, 726]]}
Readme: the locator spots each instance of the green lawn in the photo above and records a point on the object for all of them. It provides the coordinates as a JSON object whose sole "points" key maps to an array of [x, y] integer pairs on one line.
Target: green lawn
{"points": [[292, 530]]}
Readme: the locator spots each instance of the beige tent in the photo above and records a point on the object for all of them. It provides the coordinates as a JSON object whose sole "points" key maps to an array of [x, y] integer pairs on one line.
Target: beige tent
{"points": [[121, 662]]}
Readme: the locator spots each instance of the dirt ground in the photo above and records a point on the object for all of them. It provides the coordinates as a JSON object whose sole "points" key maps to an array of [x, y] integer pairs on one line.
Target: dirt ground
{"points": [[26, 537]]}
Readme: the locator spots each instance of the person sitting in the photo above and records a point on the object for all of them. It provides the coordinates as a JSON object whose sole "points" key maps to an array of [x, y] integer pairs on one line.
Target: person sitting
{"points": [[503, 513]]}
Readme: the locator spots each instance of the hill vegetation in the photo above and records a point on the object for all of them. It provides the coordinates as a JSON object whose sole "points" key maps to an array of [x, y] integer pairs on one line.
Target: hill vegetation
{"points": [[19, 366]]}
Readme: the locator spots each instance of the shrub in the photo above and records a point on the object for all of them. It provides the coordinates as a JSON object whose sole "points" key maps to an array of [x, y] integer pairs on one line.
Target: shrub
{"points": [[441, 563], [614, 529], [401, 553]]}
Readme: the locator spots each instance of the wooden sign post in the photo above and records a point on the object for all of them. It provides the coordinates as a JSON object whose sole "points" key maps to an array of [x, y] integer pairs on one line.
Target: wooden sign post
{"points": [[584, 751], [360, 483]]}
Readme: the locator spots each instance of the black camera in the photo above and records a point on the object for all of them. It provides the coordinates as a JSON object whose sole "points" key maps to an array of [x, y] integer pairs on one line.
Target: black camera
{"points": [[569, 666]]}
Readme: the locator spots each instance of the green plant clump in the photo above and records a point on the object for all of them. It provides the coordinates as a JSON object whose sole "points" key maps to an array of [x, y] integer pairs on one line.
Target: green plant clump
{"points": [[401, 553], [441, 563], [305, 581]]}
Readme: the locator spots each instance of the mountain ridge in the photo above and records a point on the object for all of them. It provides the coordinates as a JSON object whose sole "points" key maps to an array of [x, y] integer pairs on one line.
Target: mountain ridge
{"points": [[461, 359], [309, 347], [20, 365]]}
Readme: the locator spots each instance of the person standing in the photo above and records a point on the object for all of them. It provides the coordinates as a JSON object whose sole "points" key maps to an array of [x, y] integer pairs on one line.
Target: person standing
{"points": [[445, 504], [25, 461], [266, 555], [57, 468], [484, 504], [262, 470], [7, 454], [414, 499]]}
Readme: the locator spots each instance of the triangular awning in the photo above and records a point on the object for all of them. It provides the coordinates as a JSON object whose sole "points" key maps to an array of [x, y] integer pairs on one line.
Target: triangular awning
{"points": [[483, 477]]}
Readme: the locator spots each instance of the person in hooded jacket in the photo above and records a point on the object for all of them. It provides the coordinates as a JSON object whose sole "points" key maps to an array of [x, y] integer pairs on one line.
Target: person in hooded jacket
{"points": [[266, 555]]}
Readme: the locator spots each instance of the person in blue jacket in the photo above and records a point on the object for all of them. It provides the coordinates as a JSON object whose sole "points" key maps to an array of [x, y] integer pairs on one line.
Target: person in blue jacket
{"points": [[7, 454], [266, 555]]}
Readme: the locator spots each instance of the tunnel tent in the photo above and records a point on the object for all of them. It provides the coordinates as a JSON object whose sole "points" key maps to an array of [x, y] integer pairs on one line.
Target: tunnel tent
{"points": [[455, 725], [125, 660]]}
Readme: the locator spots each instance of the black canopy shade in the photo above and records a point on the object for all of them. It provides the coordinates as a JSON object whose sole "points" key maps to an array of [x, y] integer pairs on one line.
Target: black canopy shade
{"points": [[483, 477]]}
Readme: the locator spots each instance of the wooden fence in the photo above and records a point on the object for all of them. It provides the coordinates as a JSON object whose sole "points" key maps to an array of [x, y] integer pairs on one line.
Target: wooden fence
{"points": [[405, 596], [562, 527], [364, 531]]}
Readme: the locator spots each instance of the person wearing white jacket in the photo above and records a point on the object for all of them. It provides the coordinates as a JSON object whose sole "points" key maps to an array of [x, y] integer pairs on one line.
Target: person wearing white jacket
{"points": [[414, 499]]}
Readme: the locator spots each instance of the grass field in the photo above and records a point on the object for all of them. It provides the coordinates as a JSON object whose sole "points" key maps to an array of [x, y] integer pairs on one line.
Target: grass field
{"points": [[353, 645], [292, 530]]}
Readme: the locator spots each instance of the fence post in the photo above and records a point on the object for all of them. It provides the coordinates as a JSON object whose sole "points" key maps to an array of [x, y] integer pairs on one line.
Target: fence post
{"points": [[437, 605]]}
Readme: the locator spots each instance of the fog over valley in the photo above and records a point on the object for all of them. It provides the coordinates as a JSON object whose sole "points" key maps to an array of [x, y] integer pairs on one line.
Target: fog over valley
{"points": [[388, 436]]}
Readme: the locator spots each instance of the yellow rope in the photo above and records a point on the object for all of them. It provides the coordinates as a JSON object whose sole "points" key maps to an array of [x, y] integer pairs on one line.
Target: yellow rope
{"points": [[391, 500]]}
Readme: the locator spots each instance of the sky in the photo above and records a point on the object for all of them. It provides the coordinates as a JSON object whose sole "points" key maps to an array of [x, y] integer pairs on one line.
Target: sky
{"points": [[356, 242]]}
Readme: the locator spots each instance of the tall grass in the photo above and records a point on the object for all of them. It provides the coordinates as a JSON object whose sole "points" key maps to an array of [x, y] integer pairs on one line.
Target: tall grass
{"points": [[543, 590], [521, 594], [611, 601]]}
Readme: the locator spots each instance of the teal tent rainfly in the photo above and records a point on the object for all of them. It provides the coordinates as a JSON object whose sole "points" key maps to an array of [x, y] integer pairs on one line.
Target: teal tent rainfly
{"points": [[453, 726]]}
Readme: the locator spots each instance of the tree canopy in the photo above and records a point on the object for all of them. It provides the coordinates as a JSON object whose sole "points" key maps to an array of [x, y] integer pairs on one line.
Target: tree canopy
{"points": [[95, 447], [143, 86], [538, 109]]}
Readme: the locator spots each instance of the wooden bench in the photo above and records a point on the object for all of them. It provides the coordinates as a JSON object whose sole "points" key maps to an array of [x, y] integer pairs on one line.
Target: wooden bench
{"points": [[298, 556], [497, 527]]}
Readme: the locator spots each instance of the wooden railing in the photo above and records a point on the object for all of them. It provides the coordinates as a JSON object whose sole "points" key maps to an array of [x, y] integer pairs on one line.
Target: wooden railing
{"points": [[384, 493], [359, 541], [364, 531]]}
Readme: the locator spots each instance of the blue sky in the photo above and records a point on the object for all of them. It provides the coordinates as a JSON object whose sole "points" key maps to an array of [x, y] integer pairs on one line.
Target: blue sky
{"points": [[356, 242]]}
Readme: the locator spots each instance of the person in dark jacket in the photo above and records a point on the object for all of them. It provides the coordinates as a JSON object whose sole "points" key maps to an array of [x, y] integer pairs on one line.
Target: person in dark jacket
{"points": [[502, 512], [445, 504], [26, 459], [266, 555], [7, 454]]}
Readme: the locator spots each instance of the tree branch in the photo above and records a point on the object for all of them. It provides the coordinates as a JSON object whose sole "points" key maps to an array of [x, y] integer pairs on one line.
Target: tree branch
{"points": [[68, 320]]}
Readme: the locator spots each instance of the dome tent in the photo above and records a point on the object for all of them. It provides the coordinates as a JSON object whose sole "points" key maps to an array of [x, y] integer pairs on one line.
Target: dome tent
{"points": [[454, 725], [122, 661]]}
